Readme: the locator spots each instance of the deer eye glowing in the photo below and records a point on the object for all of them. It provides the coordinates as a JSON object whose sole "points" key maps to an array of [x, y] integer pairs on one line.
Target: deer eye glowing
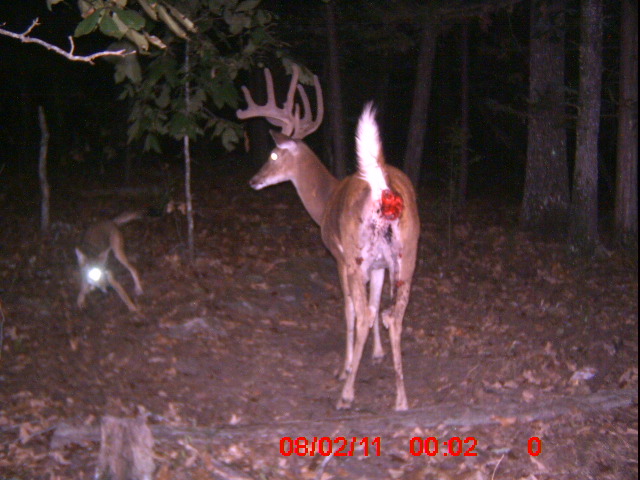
{"points": [[274, 156], [94, 274]]}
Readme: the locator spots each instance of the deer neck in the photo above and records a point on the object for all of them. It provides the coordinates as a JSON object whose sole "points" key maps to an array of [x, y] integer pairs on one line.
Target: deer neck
{"points": [[314, 184]]}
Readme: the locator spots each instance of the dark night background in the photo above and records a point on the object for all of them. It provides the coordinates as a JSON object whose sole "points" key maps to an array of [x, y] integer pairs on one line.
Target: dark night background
{"points": [[80, 99], [510, 334]]}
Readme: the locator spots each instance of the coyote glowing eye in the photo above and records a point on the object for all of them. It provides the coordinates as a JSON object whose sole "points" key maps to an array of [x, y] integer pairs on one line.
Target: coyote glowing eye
{"points": [[94, 274], [274, 156]]}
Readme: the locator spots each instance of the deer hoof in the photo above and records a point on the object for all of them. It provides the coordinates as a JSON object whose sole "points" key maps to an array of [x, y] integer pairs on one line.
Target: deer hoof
{"points": [[344, 373], [343, 404], [387, 318], [377, 357]]}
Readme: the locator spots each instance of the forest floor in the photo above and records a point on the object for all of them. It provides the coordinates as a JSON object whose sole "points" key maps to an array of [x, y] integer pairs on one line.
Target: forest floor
{"points": [[521, 359]]}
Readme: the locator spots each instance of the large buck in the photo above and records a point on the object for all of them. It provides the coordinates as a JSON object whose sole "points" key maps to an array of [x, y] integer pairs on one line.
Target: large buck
{"points": [[369, 221]]}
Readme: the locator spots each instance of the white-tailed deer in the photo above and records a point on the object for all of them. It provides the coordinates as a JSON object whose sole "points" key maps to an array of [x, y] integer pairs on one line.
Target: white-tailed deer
{"points": [[369, 221]]}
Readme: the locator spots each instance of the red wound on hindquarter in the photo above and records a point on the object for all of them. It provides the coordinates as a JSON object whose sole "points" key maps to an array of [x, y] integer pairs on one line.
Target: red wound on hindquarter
{"points": [[391, 205]]}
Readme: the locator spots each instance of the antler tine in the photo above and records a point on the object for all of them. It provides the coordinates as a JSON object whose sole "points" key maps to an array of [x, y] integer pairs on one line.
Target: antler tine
{"points": [[288, 117], [306, 125], [289, 105], [279, 117]]}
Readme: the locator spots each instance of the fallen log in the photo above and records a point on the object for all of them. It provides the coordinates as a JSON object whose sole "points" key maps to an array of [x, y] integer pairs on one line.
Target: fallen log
{"points": [[361, 425]]}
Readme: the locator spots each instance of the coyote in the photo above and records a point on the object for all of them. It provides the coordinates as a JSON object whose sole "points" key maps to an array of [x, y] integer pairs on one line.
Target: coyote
{"points": [[99, 239]]}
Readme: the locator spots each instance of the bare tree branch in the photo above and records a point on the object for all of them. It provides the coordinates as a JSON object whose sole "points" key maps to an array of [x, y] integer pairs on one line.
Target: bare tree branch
{"points": [[70, 55]]}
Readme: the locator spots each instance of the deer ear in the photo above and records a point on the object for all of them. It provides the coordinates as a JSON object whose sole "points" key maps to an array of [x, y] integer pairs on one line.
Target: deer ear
{"points": [[283, 141], [82, 259]]}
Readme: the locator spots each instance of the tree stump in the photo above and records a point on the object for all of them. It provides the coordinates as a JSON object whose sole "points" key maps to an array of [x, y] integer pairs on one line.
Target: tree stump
{"points": [[126, 449]]}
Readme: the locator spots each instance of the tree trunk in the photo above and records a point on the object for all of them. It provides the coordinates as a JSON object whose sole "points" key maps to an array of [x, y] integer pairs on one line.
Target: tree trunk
{"points": [[187, 161], [583, 227], [42, 171], [421, 95], [336, 118], [545, 201], [626, 214], [463, 171]]}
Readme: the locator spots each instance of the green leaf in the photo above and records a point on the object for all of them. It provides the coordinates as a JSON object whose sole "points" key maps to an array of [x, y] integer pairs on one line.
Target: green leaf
{"points": [[236, 22], [138, 39], [178, 124], [247, 5], [250, 48], [181, 125], [215, 7], [198, 97], [151, 143], [109, 27], [86, 8], [133, 131], [131, 19], [128, 67], [229, 138], [164, 98], [88, 25], [51, 3], [263, 17]]}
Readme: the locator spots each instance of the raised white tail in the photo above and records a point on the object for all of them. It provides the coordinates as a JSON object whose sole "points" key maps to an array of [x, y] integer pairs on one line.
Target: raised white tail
{"points": [[368, 221], [369, 152]]}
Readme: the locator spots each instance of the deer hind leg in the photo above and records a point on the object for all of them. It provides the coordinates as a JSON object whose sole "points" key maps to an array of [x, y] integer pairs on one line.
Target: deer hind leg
{"points": [[392, 319], [84, 289], [375, 291], [358, 294], [117, 245]]}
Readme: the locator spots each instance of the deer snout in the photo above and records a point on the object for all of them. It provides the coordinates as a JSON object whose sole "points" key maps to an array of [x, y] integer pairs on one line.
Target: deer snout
{"points": [[256, 183]]}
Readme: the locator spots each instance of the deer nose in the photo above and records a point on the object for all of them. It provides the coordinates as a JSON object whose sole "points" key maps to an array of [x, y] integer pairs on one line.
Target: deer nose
{"points": [[255, 183]]}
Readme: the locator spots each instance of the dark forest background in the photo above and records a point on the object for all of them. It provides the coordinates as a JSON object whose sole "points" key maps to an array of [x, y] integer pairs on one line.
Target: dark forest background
{"points": [[379, 47]]}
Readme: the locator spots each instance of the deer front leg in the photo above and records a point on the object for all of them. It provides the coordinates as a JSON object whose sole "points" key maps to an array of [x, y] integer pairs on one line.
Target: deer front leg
{"points": [[363, 323], [392, 319], [121, 293]]}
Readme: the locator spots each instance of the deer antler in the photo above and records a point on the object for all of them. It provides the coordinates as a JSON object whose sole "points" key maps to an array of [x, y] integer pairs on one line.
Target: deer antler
{"points": [[288, 117]]}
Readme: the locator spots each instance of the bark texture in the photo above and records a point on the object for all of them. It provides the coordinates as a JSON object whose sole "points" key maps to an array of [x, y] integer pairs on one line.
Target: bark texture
{"points": [[546, 191], [421, 96], [583, 228], [626, 215]]}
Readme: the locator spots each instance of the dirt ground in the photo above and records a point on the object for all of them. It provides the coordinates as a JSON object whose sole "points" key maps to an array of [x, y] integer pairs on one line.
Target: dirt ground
{"points": [[521, 359]]}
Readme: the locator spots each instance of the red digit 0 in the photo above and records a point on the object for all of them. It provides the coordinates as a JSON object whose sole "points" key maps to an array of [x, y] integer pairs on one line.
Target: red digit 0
{"points": [[284, 442], [325, 446], [455, 446], [534, 446], [416, 452], [431, 446]]}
